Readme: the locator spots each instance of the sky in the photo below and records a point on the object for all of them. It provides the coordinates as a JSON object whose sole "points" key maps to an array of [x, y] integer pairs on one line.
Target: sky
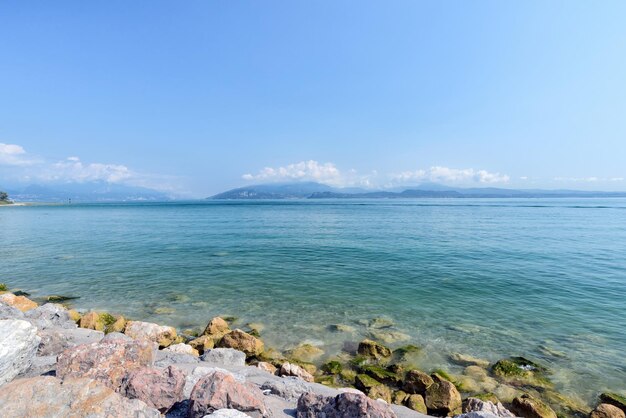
{"points": [[197, 97]]}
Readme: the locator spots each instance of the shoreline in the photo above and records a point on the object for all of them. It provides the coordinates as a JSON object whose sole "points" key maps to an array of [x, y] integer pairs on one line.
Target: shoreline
{"points": [[369, 366]]}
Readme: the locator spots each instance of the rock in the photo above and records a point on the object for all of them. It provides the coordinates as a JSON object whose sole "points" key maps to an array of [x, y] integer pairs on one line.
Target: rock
{"points": [[114, 336], [18, 302], [388, 336], [380, 392], [224, 357], [203, 343], [290, 369], [46, 396], [196, 374], [614, 399], [118, 326], [59, 298], [217, 327], [305, 352], [268, 367], [160, 334], [386, 375], [288, 388], [519, 370], [341, 328], [605, 410], [227, 413], [344, 405], [159, 389], [74, 315], [92, 320], [399, 397], [56, 340], [242, 341], [467, 360], [442, 397], [528, 407], [50, 315], [378, 323], [417, 382], [107, 362], [166, 358], [219, 390], [416, 403], [9, 312], [372, 349], [332, 367], [476, 414], [372, 387], [256, 326], [182, 349], [404, 353], [18, 347], [478, 405]]}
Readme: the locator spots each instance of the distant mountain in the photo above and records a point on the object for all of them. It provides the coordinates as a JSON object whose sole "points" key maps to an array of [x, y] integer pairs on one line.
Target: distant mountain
{"points": [[85, 192], [311, 190]]}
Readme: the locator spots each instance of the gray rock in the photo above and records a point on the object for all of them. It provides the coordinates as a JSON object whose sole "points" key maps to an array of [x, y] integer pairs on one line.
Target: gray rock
{"points": [[289, 388], [343, 405], [9, 312], [167, 358], [56, 340], [197, 374], [41, 366], [113, 336], [227, 413], [18, 347], [224, 357], [51, 397], [476, 414], [487, 407], [50, 315]]}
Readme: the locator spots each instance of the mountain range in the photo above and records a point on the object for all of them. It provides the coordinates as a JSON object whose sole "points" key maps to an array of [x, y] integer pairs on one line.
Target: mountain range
{"points": [[312, 190], [84, 192]]}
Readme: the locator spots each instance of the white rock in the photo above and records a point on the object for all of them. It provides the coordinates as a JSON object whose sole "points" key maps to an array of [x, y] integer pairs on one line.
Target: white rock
{"points": [[9, 312], [50, 315], [182, 349], [18, 347], [227, 413], [475, 405], [290, 369], [224, 357], [160, 334]]}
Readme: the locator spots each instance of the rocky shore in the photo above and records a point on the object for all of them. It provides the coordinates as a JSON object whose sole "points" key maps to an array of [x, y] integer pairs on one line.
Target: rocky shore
{"points": [[57, 362]]}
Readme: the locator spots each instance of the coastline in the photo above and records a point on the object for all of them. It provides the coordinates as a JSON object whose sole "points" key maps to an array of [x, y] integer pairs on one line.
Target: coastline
{"points": [[369, 366]]}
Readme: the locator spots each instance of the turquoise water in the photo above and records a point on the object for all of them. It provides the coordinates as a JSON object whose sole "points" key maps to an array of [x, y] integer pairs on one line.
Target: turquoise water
{"points": [[543, 278]]}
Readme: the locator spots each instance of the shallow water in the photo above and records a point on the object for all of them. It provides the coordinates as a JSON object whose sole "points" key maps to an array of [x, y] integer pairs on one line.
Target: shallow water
{"points": [[542, 278]]}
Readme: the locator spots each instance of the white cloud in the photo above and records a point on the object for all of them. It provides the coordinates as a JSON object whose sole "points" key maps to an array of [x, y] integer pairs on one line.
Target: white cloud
{"points": [[438, 174], [72, 169], [303, 171], [14, 155], [591, 179]]}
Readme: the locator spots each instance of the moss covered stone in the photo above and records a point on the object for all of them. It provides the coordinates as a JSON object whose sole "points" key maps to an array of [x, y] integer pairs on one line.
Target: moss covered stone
{"points": [[364, 382], [520, 370], [3, 287], [60, 298], [529, 407], [332, 367], [372, 349], [416, 403], [417, 382], [381, 374]]}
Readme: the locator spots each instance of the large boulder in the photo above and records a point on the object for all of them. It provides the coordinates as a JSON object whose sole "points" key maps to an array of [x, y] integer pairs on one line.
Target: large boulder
{"points": [[242, 341], [417, 381], [18, 302], [160, 334], [416, 403], [50, 315], [605, 410], [198, 373], [493, 408], [107, 362], [289, 388], [18, 346], [224, 357], [372, 349], [290, 369], [10, 312], [56, 340], [311, 405], [46, 396], [442, 397], [529, 407], [220, 390], [158, 388], [217, 327]]}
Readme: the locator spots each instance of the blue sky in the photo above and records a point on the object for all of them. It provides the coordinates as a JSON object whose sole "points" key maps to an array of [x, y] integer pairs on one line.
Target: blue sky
{"points": [[200, 96]]}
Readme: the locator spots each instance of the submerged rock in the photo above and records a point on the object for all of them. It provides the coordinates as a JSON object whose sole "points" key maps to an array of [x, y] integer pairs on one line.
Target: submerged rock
{"points": [[159, 389], [442, 397], [18, 346], [47, 396], [380, 322], [107, 362], [520, 370], [242, 341], [160, 334], [467, 360], [528, 407], [305, 352], [605, 410], [220, 390], [388, 336], [341, 328], [343, 405], [372, 349], [18, 302]]}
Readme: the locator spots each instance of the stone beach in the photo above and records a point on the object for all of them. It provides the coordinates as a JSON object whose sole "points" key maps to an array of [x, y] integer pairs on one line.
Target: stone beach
{"points": [[55, 361]]}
